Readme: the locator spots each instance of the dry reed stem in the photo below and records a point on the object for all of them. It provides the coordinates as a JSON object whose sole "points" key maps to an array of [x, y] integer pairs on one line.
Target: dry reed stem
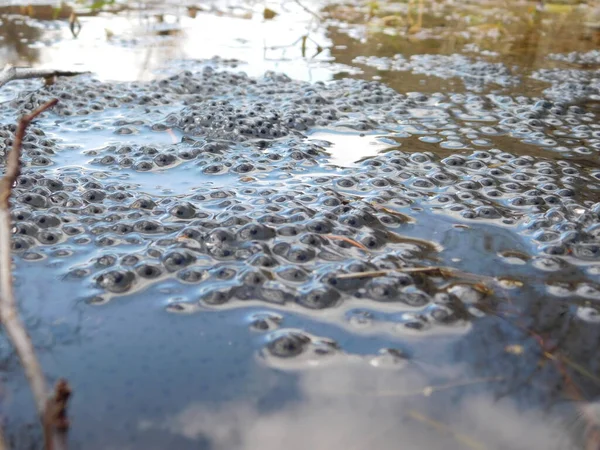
{"points": [[404, 217], [437, 271], [52, 412], [350, 241], [441, 271]]}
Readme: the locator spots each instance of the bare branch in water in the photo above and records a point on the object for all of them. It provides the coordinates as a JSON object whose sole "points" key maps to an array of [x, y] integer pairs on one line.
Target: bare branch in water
{"points": [[11, 73], [51, 410]]}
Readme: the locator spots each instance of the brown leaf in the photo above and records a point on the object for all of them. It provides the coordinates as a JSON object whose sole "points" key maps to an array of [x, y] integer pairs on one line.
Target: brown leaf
{"points": [[269, 14]]}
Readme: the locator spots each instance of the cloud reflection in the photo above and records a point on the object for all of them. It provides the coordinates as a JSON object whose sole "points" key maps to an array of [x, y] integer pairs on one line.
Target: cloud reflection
{"points": [[357, 406]]}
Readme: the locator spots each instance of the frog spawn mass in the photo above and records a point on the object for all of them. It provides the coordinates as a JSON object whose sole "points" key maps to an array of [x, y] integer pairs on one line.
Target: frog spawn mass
{"points": [[475, 73], [574, 84], [291, 239]]}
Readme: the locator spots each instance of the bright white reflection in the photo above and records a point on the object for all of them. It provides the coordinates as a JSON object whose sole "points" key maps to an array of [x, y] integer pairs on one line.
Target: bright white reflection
{"points": [[133, 46], [347, 148]]}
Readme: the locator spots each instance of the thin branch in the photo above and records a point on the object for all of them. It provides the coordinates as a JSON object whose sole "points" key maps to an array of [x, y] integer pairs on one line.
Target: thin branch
{"points": [[312, 13], [50, 411], [426, 391], [443, 428], [11, 73]]}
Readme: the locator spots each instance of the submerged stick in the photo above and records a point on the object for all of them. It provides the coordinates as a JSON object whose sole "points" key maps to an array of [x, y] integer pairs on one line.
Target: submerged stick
{"points": [[51, 411], [11, 73]]}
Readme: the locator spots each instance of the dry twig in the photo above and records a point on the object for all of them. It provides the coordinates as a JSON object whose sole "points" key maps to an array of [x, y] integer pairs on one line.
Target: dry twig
{"points": [[52, 411], [11, 73]]}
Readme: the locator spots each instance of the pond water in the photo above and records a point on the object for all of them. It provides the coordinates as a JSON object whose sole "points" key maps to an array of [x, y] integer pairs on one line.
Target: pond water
{"points": [[343, 226]]}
